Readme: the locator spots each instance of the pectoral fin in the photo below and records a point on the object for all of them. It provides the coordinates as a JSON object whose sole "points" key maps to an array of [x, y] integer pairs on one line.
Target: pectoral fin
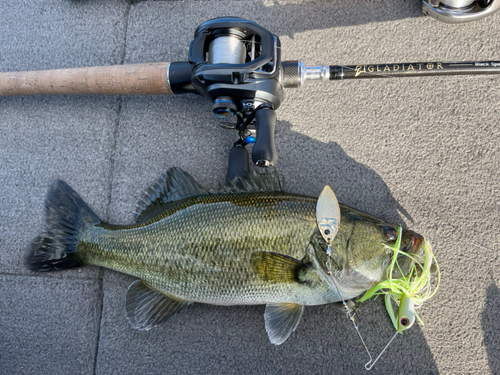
{"points": [[281, 320], [146, 307], [276, 268]]}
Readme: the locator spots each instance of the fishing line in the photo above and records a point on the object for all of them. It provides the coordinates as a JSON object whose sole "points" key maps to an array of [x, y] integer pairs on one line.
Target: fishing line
{"points": [[484, 248]]}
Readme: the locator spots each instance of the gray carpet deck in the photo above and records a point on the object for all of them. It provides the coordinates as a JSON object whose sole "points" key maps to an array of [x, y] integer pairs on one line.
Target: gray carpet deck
{"points": [[420, 151]]}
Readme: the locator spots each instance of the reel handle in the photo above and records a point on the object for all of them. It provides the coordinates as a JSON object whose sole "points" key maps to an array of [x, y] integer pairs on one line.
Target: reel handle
{"points": [[264, 150]]}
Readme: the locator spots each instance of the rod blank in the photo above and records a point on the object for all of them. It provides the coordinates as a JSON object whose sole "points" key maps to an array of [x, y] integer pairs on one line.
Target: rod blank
{"points": [[422, 69]]}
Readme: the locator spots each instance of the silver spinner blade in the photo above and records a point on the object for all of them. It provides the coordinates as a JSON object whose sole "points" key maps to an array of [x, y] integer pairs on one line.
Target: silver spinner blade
{"points": [[328, 214]]}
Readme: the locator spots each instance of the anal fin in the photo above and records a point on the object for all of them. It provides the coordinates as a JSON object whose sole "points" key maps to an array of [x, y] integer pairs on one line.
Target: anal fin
{"points": [[146, 307], [281, 320]]}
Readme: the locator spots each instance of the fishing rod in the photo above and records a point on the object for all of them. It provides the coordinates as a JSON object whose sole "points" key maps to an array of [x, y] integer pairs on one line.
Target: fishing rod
{"points": [[236, 64]]}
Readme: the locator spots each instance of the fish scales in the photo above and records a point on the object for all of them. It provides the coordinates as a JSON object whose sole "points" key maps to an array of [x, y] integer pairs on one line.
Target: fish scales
{"points": [[201, 252]]}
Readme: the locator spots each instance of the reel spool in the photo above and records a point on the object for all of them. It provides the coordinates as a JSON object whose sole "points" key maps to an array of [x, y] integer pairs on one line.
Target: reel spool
{"points": [[459, 11]]}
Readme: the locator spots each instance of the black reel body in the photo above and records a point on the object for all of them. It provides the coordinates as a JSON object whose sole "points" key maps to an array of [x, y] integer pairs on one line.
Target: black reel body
{"points": [[236, 64]]}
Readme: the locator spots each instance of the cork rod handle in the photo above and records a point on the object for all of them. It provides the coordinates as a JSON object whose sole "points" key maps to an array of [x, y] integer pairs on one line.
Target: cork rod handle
{"points": [[134, 79]]}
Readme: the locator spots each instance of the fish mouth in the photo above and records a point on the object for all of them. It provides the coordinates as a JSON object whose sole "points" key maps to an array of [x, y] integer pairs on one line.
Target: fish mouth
{"points": [[412, 247], [415, 243]]}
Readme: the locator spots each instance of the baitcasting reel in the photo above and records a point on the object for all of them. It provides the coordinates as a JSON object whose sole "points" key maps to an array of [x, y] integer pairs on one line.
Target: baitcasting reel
{"points": [[236, 64], [459, 11]]}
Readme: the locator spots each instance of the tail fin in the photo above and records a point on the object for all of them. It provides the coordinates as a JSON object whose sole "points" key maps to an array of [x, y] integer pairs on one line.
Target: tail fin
{"points": [[66, 215]]}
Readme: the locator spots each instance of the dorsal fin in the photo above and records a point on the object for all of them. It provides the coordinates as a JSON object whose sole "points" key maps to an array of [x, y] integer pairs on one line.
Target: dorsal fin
{"points": [[171, 186], [253, 182]]}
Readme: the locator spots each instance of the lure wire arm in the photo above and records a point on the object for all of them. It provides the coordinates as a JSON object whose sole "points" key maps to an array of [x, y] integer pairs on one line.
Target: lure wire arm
{"points": [[382, 352], [347, 310]]}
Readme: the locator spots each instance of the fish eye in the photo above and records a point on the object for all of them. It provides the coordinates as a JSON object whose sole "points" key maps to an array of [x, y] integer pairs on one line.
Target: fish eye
{"points": [[404, 322], [391, 234]]}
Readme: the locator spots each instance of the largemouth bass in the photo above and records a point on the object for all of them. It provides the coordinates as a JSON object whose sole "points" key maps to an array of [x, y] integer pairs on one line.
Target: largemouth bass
{"points": [[250, 244]]}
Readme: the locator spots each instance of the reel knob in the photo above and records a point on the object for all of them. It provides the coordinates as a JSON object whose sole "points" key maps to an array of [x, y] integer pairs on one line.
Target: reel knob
{"points": [[224, 107]]}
